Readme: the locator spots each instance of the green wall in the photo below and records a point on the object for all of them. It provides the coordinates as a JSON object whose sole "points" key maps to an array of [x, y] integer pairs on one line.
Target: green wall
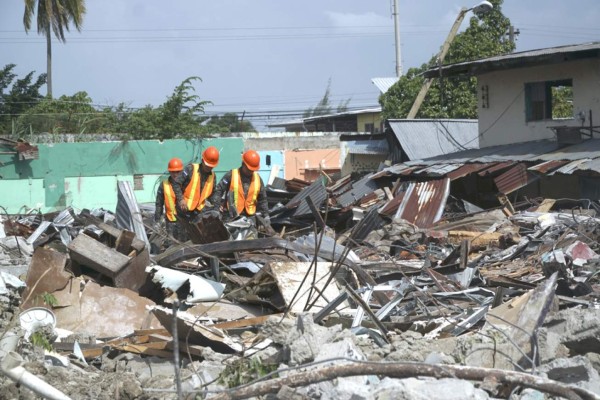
{"points": [[85, 175]]}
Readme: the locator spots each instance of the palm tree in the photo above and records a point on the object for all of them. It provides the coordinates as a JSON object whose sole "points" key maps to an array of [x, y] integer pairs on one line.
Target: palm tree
{"points": [[55, 14]]}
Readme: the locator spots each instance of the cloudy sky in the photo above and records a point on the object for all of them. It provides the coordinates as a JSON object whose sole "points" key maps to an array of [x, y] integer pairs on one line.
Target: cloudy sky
{"points": [[262, 56]]}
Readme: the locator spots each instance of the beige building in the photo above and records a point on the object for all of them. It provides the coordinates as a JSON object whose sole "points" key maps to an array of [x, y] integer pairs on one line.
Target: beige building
{"points": [[541, 94]]}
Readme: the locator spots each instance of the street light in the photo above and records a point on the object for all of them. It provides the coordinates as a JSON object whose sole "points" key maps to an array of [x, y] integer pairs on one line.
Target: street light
{"points": [[479, 10]]}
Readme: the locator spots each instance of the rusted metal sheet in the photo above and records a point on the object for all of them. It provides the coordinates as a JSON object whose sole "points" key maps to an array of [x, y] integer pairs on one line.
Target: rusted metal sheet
{"points": [[24, 150], [423, 202], [208, 229], [495, 167], [513, 179], [46, 275], [466, 170], [548, 166]]}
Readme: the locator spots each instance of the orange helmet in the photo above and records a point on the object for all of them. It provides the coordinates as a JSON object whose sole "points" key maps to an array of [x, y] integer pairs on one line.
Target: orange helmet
{"points": [[210, 157], [175, 165], [252, 160]]}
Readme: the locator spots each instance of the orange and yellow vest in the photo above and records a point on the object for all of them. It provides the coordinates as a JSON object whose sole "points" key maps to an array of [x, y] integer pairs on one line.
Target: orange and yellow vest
{"points": [[192, 196], [242, 202], [169, 194]]}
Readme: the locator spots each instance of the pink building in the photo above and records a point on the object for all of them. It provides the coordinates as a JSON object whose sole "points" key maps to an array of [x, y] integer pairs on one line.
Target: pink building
{"points": [[308, 164]]}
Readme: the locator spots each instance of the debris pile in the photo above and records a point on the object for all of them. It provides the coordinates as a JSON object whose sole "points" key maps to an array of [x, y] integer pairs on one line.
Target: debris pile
{"points": [[363, 289]]}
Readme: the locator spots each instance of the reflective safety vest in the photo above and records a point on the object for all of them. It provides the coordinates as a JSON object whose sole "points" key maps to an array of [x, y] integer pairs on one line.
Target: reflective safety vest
{"points": [[170, 210], [242, 202], [192, 196]]}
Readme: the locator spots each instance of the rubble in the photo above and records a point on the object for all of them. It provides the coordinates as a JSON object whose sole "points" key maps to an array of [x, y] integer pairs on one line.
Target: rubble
{"points": [[356, 293]]}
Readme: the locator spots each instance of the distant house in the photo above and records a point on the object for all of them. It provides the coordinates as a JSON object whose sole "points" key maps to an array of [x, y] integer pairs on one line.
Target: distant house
{"points": [[363, 120], [533, 95]]}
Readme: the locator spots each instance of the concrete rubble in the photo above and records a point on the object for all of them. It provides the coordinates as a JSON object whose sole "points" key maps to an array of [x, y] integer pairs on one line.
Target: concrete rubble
{"points": [[346, 298]]}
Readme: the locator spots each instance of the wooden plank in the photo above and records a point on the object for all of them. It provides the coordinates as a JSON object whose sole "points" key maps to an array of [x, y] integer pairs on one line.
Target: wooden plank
{"points": [[240, 323], [465, 249], [124, 242], [158, 331], [546, 205], [137, 244]]}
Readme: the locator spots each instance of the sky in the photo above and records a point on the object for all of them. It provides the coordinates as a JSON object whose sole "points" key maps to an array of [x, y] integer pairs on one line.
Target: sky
{"points": [[271, 59]]}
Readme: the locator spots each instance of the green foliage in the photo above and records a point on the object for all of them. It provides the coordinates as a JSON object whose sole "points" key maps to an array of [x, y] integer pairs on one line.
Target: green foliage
{"points": [[324, 106], [47, 299], [227, 123], [38, 338], [67, 114], [179, 116], [54, 14], [451, 97], [243, 371], [562, 102], [16, 96]]}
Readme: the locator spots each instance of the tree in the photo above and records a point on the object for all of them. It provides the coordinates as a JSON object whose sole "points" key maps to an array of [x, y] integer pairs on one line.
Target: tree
{"points": [[67, 114], [455, 97], [23, 94], [55, 15], [180, 115], [227, 123], [324, 106]]}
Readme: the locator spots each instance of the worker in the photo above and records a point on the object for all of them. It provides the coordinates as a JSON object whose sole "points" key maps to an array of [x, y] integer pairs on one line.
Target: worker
{"points": [[243, 191], [165, 198], [196, 184]]}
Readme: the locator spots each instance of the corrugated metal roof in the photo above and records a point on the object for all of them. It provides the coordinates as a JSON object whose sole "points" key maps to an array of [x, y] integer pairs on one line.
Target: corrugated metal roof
{"points": [[547, 166], [359, 190], [438, 169], [368, 147], [341, 114], [520, 59], [545, 156], [384, 84], [513, 179], [495, 167], [424, 138], [539, 150], [466, 170], [423, 202], [370, 222], [317, 194], [571, 167], [593, 165]]}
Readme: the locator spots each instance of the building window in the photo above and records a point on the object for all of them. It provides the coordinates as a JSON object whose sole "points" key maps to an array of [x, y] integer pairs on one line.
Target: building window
{"points": [[138, 182], [369, 127], [549, 100]]}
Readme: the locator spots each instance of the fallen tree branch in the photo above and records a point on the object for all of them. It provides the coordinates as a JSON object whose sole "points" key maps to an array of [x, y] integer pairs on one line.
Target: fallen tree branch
{"points": [[406, 370]]}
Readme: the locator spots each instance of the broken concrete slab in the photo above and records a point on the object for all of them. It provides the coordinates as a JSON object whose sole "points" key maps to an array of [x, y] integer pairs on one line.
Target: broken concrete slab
{"points": [[295, 289], [573, 371]]}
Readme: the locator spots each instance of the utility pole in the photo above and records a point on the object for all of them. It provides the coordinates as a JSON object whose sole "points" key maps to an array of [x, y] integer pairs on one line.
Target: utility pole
{"points": [[397, 34]]}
